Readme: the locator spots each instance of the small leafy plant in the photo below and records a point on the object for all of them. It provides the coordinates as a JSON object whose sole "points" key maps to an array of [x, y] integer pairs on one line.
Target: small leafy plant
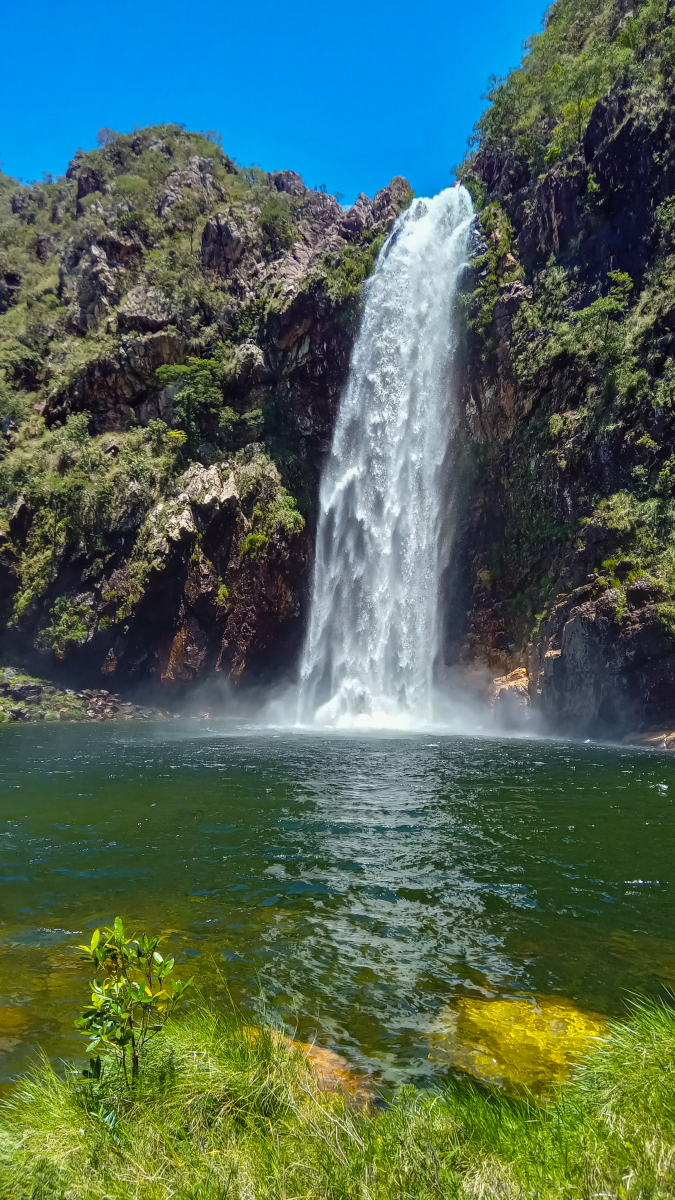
{"points": [[134, 1000]]}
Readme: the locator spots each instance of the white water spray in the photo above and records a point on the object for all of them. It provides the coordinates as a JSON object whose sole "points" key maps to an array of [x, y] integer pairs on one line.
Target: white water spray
{"points": [[374, 633]]}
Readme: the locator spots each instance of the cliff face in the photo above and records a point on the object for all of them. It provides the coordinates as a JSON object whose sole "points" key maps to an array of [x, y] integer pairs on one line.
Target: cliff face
{"points": [[174, 335], [567, 547]]}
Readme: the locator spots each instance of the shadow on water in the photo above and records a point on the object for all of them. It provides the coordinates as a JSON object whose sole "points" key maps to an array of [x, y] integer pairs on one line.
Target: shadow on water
{"points": [[366, 883]]}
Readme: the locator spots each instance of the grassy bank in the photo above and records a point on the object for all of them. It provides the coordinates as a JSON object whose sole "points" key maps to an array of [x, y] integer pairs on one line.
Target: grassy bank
{"points": [[222, 1111]]}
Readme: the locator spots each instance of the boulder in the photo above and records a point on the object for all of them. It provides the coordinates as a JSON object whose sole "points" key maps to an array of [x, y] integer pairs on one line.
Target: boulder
{"points": [[44, 247], [224, 242], [92, 278], [208, 487], [289, 182], [388, 201], [198, 173], [146, 310]]}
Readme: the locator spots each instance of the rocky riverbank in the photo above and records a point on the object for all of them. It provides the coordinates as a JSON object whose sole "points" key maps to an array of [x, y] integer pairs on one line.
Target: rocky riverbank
{"points": [[23, 698]]}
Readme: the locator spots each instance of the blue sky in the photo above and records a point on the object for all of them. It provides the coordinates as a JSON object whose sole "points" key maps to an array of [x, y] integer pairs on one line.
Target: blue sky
{"points": [[347, 93]]}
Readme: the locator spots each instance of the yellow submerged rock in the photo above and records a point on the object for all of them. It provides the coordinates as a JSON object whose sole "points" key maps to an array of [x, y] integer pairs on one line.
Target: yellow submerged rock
{"points": [[516, 1043]]}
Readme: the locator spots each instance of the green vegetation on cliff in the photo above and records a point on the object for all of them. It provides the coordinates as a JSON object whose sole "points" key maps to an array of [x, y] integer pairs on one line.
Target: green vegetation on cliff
{"points": [[571, 320], [162, 309], [541, 110]]}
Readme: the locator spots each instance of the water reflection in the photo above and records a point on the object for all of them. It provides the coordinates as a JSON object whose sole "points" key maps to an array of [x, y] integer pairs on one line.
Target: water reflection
{"points": [[365, 884]]}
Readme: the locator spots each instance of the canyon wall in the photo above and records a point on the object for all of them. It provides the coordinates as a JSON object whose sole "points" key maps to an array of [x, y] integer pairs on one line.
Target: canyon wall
{"points": [[567, 545], [175, 332]]}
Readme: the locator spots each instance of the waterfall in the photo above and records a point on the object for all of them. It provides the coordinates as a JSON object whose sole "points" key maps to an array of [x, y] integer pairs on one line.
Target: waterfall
{"points": [[373, 635]]}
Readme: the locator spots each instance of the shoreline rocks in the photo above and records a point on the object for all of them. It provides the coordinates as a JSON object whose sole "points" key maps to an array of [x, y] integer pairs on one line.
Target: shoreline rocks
{"points": [[24, 698]]}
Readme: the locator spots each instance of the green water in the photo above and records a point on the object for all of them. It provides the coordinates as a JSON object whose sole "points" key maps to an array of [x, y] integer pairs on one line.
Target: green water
{"points": [[361, 883]]}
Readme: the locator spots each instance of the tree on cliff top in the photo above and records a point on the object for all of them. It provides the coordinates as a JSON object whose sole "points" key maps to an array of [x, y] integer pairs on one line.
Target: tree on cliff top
{"points": [[542, 107]]}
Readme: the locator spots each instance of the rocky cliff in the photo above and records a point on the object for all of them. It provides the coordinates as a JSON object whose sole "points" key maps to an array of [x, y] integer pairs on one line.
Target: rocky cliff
{"points": [[567, 548], [174, 335]]}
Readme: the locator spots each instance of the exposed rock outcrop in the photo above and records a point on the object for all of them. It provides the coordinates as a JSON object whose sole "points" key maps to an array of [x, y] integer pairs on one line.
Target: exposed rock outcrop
{"points": [[165, 406], [111, 388]]}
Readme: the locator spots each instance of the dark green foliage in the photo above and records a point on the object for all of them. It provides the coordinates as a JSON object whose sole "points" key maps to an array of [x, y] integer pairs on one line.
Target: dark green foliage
{"points": [[134, 222], [270, 511], [597, 319], [590, 356], [541, 109], [198, 403], [69, 625], [493, 268], [189, 213], [345, 271], [78, 495], [277, 222]]}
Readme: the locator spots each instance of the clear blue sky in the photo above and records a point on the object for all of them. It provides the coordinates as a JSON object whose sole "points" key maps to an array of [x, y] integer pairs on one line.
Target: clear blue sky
{"points": [[347, 93]]}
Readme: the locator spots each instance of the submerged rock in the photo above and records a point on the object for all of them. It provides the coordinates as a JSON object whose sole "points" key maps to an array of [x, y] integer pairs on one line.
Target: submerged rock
{"points": [[332, 1072], [516, 1042]]}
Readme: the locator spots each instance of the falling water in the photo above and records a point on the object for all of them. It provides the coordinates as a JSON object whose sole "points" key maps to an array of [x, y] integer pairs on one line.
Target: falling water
{"points": [[373, 635]]}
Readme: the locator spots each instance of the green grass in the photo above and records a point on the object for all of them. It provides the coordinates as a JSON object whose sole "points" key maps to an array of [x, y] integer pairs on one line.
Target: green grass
{"points": [[224, 1112]]}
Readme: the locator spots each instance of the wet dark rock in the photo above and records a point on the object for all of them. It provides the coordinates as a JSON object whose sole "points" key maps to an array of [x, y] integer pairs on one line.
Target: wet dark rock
{"points": [[110, 388], [640, 592], [26, 691], [546, 584], [44, 247], [42, 701], [146, 310], [20, 518], [10, 285]]}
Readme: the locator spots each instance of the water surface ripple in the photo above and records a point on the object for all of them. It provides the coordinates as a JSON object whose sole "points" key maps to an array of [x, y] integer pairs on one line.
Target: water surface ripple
{"points": [[361, 883]]}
